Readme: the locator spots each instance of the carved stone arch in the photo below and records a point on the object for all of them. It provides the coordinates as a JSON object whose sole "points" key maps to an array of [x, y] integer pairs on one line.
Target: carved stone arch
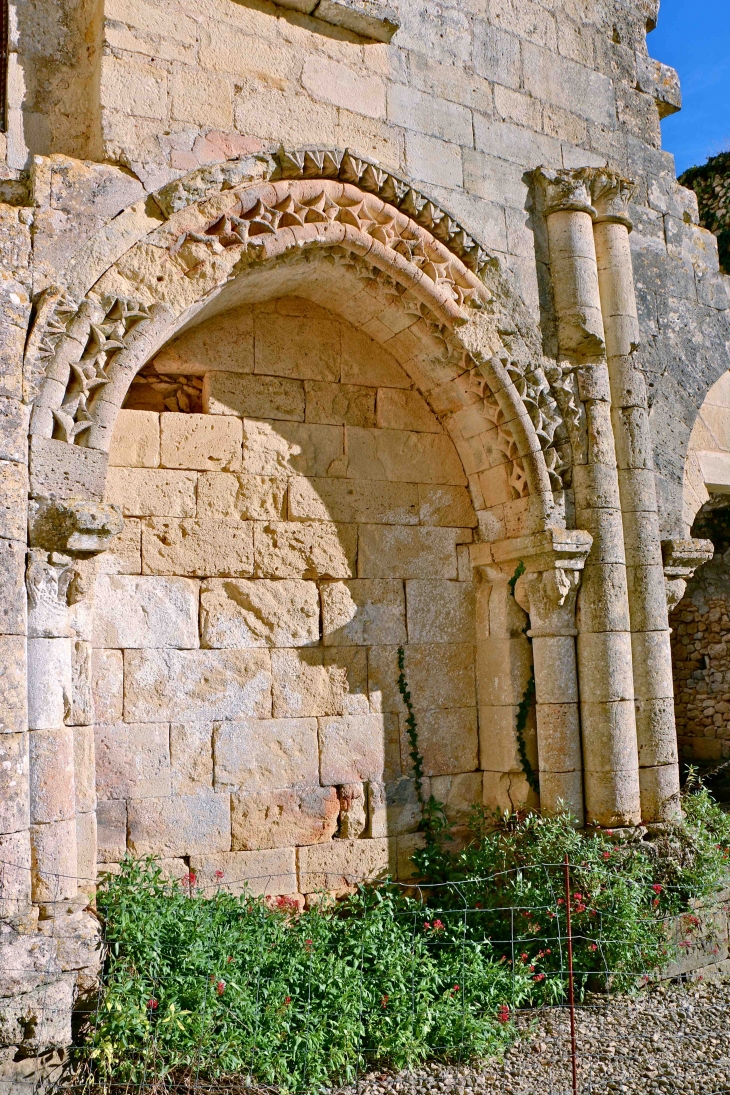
{"points": [[462, 336]]}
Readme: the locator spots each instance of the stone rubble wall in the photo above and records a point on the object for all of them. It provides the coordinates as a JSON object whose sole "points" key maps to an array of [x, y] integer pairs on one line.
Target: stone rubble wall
{"points": [[277, 550], [711, 184]]}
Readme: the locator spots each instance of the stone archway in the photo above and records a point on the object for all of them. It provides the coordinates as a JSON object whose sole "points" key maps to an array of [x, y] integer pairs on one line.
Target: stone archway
{"points": [[464, 345]]}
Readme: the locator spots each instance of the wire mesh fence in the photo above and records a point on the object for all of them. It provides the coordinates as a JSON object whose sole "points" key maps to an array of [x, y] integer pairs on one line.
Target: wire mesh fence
{"points": [[521, 981]]}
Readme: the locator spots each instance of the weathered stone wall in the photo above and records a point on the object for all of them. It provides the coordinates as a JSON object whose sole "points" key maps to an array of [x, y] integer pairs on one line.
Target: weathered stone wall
{"points": [[277, 551], [711, 184]]}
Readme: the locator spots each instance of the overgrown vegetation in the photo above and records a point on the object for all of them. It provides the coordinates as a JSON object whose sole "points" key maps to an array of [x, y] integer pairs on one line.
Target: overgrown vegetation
{"points": [[221, 985]]}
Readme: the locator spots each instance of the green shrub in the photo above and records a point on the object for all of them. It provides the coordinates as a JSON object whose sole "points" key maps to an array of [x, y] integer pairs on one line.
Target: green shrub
{"points": [[226, 985]]}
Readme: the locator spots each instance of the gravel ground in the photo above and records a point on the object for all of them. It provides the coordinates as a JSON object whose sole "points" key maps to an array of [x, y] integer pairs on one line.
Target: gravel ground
{"points": [[671, 1039]]}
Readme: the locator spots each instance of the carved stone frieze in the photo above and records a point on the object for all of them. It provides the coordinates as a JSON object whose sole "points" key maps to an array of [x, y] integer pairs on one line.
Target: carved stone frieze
{"points": [[681, 560]]}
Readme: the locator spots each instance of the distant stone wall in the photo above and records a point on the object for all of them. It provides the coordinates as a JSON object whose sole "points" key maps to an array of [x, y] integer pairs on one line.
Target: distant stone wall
{"points": [[711, 184], [277, 551]]}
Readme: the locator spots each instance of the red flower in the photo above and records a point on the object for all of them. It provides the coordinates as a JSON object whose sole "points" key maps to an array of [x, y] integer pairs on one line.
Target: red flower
{"points": [[610, 832], [655, 902], [455, 989], [577, 896], [427, 926], [593, 947], [503, 1014], [189, 879], [219, 873], [229, 958], [384, 1001], [220, 988], [307, 943], [438, 926], [606, 854], [561, 901], [539, 977], [524, 957], [287, 999], [152, 1004], [657, 888]]}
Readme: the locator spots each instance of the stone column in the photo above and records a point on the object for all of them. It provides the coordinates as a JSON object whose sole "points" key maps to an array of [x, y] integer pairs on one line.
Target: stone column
{"points": [[611, 776], [63, 536], [652, 657], [547, 590]]}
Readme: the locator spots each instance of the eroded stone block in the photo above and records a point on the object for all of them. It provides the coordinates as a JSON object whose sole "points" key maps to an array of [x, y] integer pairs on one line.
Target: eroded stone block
{"points": [[299, 549], [197, 548], [293, 448], [254, 397], [226, 497], [339, 404], [440, 676], [200, 442], [387, 551], [356, 748], [353, 500], [269, 873], [363, 613], [280, 819], [132, 760], [111, 830], [340, 866], [136, 440], [107, 684], [440, 612], [259, 613], [188, 825], [191, 758], [251, 755], [201, 685], [402, 456], [152, 492], [13, 685], [14, 792], [312, 681], [145, 612]]}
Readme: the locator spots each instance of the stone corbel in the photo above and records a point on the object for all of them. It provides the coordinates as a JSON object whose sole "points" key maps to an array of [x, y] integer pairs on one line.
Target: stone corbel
{"points": [[681, 560], [79, 527]]}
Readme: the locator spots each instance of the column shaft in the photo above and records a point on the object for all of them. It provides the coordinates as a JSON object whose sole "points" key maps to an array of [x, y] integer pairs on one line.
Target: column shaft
{"points": [[652, 663]]}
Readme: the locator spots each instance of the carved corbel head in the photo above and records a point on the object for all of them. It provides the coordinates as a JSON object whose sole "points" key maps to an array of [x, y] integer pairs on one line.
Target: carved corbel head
{"points": [[681, 560], [564, 190], [81, 527], [611, 194]]}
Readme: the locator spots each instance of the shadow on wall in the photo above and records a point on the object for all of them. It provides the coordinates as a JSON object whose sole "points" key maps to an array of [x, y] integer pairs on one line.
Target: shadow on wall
{"points": [[294, 513]]}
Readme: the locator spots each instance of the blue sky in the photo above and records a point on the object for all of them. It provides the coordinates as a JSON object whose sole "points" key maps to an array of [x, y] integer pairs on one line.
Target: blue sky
{"points": [[693, 36]]}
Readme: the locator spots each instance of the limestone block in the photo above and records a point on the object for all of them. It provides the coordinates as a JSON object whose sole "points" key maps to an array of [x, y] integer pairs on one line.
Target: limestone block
{"points": [[399, 409], [445, 505], [652, 665], [49, 677], [227, 341], [298, 347], [341, 865], [328, 81], [12, 583], [191, 758], [111, 830], [300, 549], [259, 613], [609, 737], [604, 659], [448, 741], [53, 861], [203, 98], [136, 440], [507, 792], [38, 1020], [86, 842], [13, 430], [260, 756], [269, 873], [132, 611], [13, 500], [440, 612], [393, 807], [200, 442], [440, 677], [14, 790], [498, 750], [15, 874], [13, 685], [391, 551], [559, 734], [197, 548], [366, 362], [152, 492], [354, 809], [132, 760], [402, 456], [612, 800], [280, 819], [124, 555], [292, 448], [312, 681], [82, 708], [459, 794], [339, 404], [555, 672], [188, 825], [353, 500], [357, 748], [84, 769], [137, 89], [254, 396], [407, 846], [226, 497], [107, 684], [363, 613], [172, 685], [58, 470]]}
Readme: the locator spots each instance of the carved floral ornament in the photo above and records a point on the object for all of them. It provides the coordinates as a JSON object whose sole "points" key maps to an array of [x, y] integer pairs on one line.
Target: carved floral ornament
{"points": [[91, 351]]}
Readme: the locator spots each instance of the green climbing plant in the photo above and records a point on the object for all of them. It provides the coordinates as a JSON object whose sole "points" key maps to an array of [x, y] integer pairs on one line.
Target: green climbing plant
{"points": [[431, 860], [525, 705]]}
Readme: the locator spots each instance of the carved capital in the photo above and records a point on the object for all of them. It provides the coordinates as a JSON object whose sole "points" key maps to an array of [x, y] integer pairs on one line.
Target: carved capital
{"points": [[552, 561], [611, 195], [565, 191], [82, 527], [48, 578], [681, 560]]}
